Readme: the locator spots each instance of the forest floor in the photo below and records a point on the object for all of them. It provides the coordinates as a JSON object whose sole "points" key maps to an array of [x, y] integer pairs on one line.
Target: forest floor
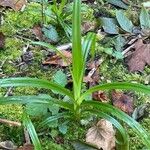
{"points": [[115, 54]]}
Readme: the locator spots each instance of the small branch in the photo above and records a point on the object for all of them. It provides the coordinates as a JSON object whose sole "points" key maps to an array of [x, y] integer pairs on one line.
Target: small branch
{"points": [[10, 123]]}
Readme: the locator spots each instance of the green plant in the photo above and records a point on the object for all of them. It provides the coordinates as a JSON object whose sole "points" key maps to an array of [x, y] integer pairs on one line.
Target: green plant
{"points": [[76, 108]]}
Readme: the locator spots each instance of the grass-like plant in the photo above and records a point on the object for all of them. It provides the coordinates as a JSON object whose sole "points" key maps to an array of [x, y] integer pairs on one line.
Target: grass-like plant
{"points": [[77, 108]]}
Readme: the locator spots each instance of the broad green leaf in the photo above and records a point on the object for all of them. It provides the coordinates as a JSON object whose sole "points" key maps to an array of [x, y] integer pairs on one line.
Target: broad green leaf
{"points": [[117, 55], [29, 126], [123, 21], [51, 33], [118, 3], [63, 127], [36, 109], [109, 25], [106, 108], [60, 78], [119, 43], [144, 19], [33, 82]]}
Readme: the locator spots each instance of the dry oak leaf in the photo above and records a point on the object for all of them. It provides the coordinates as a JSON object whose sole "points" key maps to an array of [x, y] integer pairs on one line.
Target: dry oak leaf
{"points": [[102, 135], [122, 101], [58, 60], [14, 4], [140, 57]]}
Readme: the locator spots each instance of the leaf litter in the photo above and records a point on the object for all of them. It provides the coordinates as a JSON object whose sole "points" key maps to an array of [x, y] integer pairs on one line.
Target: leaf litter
{"points": [[140, 57], [102, 135]]}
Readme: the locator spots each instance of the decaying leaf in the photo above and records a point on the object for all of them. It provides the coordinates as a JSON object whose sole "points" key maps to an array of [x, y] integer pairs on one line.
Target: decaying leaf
{"points": [[88, 26], [140, 57], [139, 112], [14, 4], [102, 135], [93, 78], [37, 31], [122, 101], [58, 60], [2, 40], [9, 145]]}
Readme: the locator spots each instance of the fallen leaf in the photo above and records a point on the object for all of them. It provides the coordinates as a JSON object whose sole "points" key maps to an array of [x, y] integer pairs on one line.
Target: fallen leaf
{"points": [[122, 101], [140, 57], [9, 145], [93, 78], [88, 26], [58, 60], [139, 112], [26, 147], [37, 31], [14, 4], [2, 40], [102, 135]]}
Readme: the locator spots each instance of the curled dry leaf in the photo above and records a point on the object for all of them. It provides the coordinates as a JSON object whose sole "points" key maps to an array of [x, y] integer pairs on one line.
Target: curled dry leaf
{"points": [[102, 135], [122, 101], [140, 57], [14, 4], [58, 60], [2, 40]]}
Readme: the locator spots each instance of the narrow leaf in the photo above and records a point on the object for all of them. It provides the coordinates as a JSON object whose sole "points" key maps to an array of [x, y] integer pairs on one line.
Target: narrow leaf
{"points": [[28, 124]]}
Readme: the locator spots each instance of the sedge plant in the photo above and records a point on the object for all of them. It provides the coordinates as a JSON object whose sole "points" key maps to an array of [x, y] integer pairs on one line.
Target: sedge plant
{"points": [[77, 108]]}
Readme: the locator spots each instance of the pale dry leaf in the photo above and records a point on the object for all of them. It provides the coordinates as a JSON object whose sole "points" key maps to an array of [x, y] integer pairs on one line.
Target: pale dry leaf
{"points": [[102, 135], [58, 60], [140, 57], [14, 4]]}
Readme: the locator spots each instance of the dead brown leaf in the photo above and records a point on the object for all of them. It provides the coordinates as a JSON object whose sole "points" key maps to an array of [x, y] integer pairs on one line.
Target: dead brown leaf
{"points": [[102, 135], [2, 40], [37, 31], [122, 101], [140, 57], [14, 4], [58, 60]]}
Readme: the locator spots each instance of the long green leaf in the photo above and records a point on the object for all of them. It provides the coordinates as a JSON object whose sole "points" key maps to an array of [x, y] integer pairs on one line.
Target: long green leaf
{"points": [[77, 55], [34, 99], [30, 128], [106, 108], [53, 118], [33, 82], [117, 85]]}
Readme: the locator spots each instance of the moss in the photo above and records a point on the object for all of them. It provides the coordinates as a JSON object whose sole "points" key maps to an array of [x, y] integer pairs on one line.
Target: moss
{"points": [[17, 20], [13, 49]]}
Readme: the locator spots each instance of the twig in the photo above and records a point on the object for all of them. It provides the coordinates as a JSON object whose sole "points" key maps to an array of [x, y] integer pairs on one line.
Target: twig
{"points": [[27, 137], [11, 123]]}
